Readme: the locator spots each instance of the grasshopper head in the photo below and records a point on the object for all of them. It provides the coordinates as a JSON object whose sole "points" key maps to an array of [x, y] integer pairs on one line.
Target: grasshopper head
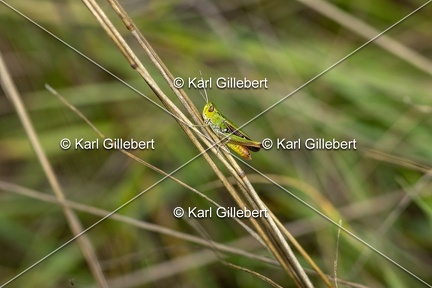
{"points": [[209, 110]]}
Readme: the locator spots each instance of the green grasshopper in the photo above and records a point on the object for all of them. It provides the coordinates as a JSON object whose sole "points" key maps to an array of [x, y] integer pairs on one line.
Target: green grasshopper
{"points": [[233, 137]]}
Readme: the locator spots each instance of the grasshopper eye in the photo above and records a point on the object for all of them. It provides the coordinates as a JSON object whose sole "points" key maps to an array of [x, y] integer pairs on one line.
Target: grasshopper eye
{"points": [[211, 109]]}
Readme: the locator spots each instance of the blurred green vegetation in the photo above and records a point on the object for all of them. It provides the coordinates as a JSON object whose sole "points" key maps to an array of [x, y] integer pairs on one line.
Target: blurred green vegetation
{"points": [[381, 191]]}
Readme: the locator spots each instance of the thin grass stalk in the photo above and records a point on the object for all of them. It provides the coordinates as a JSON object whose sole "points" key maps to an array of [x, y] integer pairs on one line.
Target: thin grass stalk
{"points": [[223, 248], [73, 221], [368, 32], [182, 96], [248, 191], [275, 241], [305, 255]]}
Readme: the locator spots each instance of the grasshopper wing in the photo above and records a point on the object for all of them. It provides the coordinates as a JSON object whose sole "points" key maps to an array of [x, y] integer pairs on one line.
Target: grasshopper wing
{"points": [[241, 138]]}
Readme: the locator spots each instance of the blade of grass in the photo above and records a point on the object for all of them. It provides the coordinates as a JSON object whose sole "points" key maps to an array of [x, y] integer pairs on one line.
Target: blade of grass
{"points": [[368, 32], [267, 228], [244, 242], [74, 223]]}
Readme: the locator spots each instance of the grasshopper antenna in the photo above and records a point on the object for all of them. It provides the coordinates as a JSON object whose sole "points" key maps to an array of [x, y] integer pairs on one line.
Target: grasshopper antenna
{"points": [[205, 91]]}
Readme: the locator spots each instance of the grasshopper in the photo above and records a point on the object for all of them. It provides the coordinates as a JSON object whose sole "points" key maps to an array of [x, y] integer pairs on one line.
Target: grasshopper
{"points": [[234, 138]]}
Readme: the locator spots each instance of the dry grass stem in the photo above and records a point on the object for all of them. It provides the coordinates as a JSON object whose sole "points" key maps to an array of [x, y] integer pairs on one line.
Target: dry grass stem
{"points": [[368, 32], [266, 228], [71, 218], [229, 248]]}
